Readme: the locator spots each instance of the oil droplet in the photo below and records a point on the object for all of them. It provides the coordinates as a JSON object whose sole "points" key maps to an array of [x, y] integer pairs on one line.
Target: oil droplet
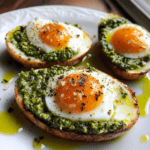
{"points": [[8, 76], [93, 59], [11, 122], [55, 143], [144, 138], [37, 146], [144, 98]]}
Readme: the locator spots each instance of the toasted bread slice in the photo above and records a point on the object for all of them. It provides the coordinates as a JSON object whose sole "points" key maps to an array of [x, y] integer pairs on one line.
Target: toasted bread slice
{"points": [[77, 136], [118, 72], [19, 56]]}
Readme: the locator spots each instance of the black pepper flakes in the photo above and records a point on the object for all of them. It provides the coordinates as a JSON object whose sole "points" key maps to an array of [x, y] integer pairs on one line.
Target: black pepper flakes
{"points": [[77, 90], [4, 81], [51, 90], [60, 33], [82, 79], [10, 109], [84, 96], [77, 35], [50, 95], [99, 92], [81, 84], [72, 80], [61, 77], [82, 106], [97, 96], [39, 48], [22, 28], [67, 89], [84, 75], [89, 71], [44, 32], [37, 140], [109, 112], [102, 86]]}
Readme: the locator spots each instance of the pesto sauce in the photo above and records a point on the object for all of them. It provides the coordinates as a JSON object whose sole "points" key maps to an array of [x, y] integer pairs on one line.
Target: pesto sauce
{"points": [[20, 40], [118, 60], [33, 84]]}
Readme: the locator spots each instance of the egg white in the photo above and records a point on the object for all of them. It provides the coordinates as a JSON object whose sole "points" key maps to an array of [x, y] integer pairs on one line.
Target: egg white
{"points": [[111, 92], [33, 27], [146, 38]]}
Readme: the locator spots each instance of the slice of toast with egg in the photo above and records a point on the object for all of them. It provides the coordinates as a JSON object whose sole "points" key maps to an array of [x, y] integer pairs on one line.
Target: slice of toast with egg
{"points": [[124, 47], [73, 108], [42, 43]]}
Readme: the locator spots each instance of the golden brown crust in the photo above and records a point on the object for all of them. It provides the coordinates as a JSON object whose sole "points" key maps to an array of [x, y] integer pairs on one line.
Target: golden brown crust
{"points": [[36, 64], [122, 74], [73, 135]]}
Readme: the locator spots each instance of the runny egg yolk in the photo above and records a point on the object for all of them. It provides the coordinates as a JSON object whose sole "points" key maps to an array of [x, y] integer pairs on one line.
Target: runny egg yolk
{"points": [[79, 93], [54, 35], [128, 40]]}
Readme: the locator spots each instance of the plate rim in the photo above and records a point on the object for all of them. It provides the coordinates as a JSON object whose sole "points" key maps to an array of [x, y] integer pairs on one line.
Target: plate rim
{"points": [[67, 6]]}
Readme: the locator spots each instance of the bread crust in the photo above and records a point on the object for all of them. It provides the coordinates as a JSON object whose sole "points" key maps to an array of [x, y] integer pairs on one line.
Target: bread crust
{"points": [[76, 136], [43, 64], [118, 72]]}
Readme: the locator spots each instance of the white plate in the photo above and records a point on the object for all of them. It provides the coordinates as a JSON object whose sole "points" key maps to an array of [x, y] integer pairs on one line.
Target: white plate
{"points": [[88, 19]]}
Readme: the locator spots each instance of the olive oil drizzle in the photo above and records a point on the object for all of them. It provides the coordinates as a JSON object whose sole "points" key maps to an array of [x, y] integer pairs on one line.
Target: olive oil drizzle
{"points": [[144, 138], [8, 76], [144, 98], [55, 143], [11, 121]]}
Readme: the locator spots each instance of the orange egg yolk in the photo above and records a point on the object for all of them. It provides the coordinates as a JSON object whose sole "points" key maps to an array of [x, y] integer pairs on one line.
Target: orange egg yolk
{"points": [[54, 35], [79, 93], [128, 40]]}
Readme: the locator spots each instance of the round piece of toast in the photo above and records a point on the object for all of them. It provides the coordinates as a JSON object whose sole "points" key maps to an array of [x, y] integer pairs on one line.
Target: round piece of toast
{"points": [[79, 136], [118, 72], [19, 56]]}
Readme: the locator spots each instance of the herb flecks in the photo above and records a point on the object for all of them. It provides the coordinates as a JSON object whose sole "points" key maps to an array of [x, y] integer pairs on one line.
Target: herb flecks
{"points": [[82, 106]]}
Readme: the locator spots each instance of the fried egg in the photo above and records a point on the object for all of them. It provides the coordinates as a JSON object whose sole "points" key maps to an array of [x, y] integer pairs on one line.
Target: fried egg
{"points": [[129, 40], [51, 35], [84, 95]]}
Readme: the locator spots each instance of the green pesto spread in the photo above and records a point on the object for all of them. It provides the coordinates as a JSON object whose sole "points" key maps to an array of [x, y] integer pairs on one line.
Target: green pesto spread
{"points": [[32, 86], [118, 60], [20, 40], [123, 93]]}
